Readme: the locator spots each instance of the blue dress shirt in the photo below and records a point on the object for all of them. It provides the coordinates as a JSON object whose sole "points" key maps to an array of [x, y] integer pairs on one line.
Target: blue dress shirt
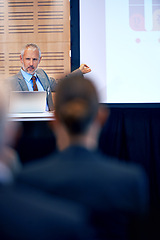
{"points": [[27, 77]]}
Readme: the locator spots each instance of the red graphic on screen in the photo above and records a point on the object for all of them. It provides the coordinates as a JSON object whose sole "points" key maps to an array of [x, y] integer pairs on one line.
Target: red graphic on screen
{"points": [[137, 15]]}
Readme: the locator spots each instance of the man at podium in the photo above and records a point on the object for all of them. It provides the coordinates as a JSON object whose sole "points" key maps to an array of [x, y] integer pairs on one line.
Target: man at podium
{"points": [[32, 78]]}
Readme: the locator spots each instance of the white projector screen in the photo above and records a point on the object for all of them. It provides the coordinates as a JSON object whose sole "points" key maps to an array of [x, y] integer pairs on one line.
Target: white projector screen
{"points": [[120, 41]]}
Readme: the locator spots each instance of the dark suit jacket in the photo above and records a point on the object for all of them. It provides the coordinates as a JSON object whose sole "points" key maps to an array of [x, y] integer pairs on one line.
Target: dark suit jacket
{"points": [[49, 84], [27, 214], [114, 191]]}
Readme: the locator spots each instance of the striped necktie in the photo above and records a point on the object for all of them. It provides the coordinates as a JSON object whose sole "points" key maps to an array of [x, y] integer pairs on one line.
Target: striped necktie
{"points": [[35, 88]]}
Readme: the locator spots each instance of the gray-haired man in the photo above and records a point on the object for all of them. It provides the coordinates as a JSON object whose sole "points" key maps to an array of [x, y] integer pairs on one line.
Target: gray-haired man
{"points": [[23, 81]]}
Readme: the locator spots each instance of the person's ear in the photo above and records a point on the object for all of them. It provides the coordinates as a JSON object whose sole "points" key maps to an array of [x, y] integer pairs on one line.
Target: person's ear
{"points": [[53, 124], [40, 60], [21, 59], [62, 138], [102, 115]]}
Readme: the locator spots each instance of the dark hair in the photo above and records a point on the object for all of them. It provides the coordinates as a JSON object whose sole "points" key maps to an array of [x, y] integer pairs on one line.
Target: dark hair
{"points": [[76, 103]]}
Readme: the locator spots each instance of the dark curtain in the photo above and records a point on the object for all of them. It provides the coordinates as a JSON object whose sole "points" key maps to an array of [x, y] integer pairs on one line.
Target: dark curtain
{"points": [[133, 134]]}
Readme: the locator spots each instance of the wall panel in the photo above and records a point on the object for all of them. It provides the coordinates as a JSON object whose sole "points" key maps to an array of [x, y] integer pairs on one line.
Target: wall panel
{"points": [[46, 23]]}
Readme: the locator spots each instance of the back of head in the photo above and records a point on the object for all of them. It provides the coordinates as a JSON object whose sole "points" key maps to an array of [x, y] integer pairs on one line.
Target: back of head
{"points": [[76, 104]]}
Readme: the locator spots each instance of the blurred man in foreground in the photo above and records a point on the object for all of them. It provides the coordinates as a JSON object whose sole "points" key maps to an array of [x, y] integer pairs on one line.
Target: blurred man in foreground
{"points": [[115, 193], [9, 160], [30, 214]]}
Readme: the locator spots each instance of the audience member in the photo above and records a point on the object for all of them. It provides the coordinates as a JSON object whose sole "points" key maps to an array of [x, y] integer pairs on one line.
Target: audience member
{"points": [[29, 214], [9, 160], [116, 193]]}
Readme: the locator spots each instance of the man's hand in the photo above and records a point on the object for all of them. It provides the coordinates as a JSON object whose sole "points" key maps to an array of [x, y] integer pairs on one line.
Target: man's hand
{"points": [[84, 68]]}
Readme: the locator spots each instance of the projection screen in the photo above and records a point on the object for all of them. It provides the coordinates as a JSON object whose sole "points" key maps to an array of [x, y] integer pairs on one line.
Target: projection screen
{"points": [[120, 41]]}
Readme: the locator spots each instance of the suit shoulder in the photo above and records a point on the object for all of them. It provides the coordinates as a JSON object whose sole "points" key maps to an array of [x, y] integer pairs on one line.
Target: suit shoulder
{"points": [[14, 77], [41, 72], [14, 81], [133, 170]]}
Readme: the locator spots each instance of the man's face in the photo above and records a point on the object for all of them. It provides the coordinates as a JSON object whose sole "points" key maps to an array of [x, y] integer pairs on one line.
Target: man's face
{"points": [[30, 60]]}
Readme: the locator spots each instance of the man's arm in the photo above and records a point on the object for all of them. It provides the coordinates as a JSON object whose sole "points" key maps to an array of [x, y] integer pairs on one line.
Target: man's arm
{"points": [[83, 69]]}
